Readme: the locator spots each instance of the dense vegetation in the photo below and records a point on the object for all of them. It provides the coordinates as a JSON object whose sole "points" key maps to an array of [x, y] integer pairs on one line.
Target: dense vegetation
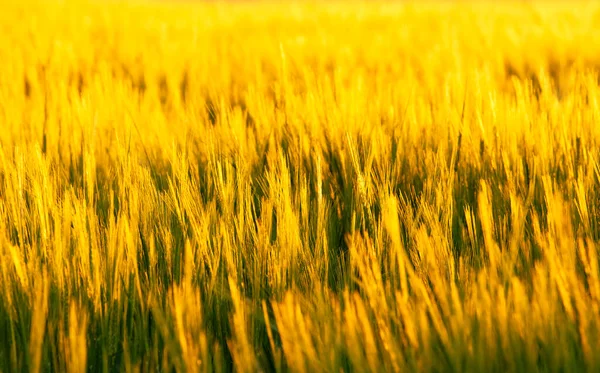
{"points": [[298, 187]]}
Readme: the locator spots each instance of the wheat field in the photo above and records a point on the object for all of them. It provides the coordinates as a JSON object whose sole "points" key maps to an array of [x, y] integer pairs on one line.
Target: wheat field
{"points": [[299, 186]]}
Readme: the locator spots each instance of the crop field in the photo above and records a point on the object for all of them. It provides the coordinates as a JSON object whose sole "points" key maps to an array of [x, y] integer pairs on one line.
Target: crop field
{"points": [[299, 186]]}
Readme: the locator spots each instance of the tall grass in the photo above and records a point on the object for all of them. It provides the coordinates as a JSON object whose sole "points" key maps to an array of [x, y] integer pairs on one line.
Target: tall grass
{"points": [[299, 187]]}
